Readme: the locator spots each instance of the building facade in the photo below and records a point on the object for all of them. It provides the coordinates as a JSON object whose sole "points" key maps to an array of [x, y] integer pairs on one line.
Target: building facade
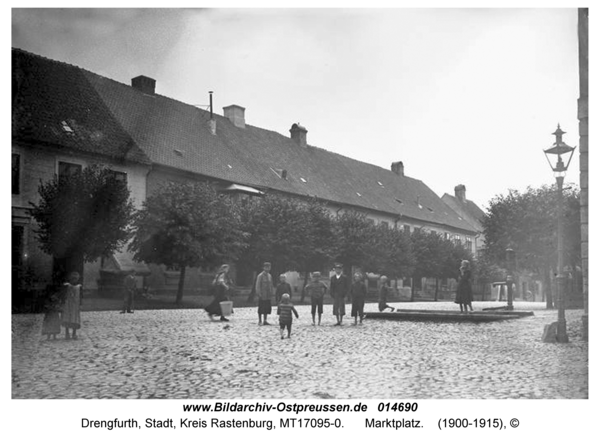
{"points": [[65, 114]]}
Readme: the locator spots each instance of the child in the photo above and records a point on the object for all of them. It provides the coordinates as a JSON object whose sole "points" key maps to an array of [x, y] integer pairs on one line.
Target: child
{"points": [[282, 288], [71, 317], [284, 311], [358, 292], [383, 294], [51, 324], [316, 290]]}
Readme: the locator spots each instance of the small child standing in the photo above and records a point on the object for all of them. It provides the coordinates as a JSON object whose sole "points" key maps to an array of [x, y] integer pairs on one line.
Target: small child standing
{"points": [[52, 306], [284, 311], [358, 292], [316, 290], [282, 288], [71, 313]]}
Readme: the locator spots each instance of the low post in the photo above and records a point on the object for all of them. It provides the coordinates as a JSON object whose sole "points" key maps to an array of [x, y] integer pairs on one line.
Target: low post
{"points": [[510, 262], [509, 292]]}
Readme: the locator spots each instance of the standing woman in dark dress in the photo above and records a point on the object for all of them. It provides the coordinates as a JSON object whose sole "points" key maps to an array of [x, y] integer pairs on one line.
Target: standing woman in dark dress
{"points": [[221, 285], [464, 293]]}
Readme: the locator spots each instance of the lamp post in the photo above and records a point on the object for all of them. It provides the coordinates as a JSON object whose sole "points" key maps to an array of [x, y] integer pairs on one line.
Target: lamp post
{"points": [[510, 265], [560, 148]]}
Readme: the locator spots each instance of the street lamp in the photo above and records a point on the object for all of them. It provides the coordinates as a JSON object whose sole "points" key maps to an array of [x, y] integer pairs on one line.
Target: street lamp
{"points": [[560, 148]]}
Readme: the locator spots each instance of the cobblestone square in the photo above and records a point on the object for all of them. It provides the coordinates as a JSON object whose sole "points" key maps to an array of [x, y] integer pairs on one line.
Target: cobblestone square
{"points": [[181, 354]]}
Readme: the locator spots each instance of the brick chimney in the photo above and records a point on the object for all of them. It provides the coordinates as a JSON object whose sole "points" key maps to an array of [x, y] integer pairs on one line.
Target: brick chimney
{"points": [[398, 168], [235, 114], [144, 84], [298, 134], [460, 192]]}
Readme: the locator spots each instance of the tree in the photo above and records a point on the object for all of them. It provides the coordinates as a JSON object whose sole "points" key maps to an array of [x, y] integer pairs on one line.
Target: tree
{"points": [[276, 230], [427, 249], [486, 271], [82, 217], [527, 223], [394, 252], [355, 240], [187, 225], [319, 239]]}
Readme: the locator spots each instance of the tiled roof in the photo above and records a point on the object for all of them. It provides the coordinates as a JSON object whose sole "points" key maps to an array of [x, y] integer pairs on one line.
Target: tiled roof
{"points": [[54, 103], [468, 210], [177, 135]]}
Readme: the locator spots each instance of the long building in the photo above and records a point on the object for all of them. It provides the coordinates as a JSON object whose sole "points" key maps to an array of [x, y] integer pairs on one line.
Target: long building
{"points": [[65, 117]]}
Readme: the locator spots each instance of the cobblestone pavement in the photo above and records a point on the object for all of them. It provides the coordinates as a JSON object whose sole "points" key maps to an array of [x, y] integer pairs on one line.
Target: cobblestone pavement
{"points": [[182, 354]]}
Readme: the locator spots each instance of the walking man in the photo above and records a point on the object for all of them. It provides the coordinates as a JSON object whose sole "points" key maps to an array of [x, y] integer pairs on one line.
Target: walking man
{"points": [[339, 289], [264, 291]]}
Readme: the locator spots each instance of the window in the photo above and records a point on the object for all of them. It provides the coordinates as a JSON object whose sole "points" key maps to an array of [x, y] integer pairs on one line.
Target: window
{"points": [[67, 169], [370, 220], [385, 224], [468, 243], [16, 174], [120, 176], [406, 228], [66, 128]]}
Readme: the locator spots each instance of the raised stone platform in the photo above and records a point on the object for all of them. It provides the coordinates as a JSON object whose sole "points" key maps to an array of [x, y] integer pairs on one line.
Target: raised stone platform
{"points": [[448, 316]]}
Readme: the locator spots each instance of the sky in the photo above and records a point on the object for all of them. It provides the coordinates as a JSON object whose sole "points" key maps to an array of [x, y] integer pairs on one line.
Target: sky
{"points": [[460, 96]]}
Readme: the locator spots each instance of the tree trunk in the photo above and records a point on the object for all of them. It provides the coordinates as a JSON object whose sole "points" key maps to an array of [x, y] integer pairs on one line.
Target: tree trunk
{"points": [[412, 289], [179, 297], [437, 286]]}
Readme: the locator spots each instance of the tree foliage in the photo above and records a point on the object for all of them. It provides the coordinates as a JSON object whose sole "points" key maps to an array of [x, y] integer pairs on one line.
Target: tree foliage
{"points": [[527, 223], [276, 229], [82, 217], [394, 254], [355, 240], [319, 236], [187, 225], [426, 249]]}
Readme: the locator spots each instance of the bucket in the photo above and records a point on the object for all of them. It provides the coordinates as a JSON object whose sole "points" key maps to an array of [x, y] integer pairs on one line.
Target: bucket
{"points": [[226, 308]]}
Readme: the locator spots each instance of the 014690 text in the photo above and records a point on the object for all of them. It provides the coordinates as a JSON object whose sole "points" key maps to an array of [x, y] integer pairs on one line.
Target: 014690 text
{"points": [[397, 407]]}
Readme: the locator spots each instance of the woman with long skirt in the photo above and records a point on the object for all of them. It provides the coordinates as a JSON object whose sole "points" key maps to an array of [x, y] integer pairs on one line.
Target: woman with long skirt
{"points": [[221, 285]]}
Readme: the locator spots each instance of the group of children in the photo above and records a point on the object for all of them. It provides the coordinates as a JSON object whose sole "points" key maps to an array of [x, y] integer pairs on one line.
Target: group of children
{"points": [[316, 290], [63, 309], [63, 305]]}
